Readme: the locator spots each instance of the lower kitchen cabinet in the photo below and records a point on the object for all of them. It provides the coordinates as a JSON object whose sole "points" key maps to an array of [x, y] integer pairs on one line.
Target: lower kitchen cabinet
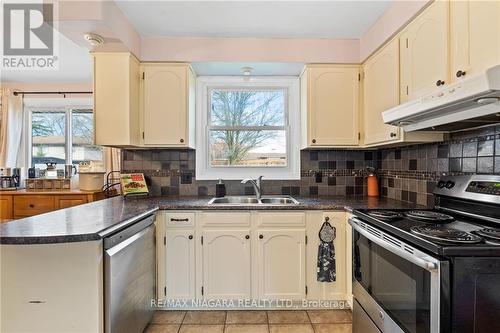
{"points": [[336, 290], [180, 264], [248, 255], [281, 264], [21, 203], [226, 264]]}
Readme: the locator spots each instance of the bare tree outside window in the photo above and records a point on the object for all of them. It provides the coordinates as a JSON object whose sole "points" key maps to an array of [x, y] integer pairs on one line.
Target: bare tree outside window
{"points": [[248, 128]]}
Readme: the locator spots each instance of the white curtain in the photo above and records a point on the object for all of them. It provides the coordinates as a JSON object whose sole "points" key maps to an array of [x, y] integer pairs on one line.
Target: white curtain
{"points": [[112, 159], [11, 129]]}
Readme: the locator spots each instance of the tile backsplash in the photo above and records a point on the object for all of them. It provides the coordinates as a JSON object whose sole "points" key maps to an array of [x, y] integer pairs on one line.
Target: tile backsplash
{"points": [[410, 173], [405, 173]]}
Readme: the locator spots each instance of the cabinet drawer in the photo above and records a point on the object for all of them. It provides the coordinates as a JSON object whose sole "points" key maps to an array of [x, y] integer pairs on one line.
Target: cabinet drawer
{"points": [[335, 217], [179, 219], [28, 205], [66, 201], [226, 219], [281, 219]]}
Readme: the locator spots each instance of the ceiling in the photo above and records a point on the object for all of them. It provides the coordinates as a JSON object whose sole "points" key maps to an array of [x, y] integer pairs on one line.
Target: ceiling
{"points": [[262, 19], [75, 66]]}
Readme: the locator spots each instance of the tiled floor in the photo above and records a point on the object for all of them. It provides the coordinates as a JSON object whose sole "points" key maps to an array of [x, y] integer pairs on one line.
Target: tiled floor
{"points": [[314, 321]]}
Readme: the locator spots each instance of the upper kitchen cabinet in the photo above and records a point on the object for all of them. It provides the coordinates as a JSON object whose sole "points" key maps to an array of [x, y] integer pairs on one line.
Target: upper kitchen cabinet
{"points": [[116, 99], [475, 37], [329, 106], [168, 105], [424, 52], [380, 93]]}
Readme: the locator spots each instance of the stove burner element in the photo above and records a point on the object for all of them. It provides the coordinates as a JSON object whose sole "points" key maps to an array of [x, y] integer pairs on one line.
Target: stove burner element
{"points": [[429, 216], [447, 235], [489, 233], [385, 214]]}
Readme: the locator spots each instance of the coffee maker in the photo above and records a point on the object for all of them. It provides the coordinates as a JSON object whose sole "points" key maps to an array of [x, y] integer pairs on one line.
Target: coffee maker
{"points": [[10, 178]]}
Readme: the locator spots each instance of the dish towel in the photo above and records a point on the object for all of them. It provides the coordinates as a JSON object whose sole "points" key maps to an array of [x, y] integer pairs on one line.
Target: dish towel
{"points": [[326, 270]]}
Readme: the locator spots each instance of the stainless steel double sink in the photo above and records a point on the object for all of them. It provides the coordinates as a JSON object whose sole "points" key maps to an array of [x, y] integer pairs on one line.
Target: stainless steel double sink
{"points": [[245, 201]]}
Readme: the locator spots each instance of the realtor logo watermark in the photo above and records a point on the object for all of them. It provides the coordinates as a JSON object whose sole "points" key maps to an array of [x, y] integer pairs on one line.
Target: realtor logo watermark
{"points": [[29, 36]]}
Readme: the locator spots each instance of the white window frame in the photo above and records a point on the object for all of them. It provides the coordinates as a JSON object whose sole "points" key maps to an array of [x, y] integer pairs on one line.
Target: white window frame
{"points": [[66, 105], [204, 84]]}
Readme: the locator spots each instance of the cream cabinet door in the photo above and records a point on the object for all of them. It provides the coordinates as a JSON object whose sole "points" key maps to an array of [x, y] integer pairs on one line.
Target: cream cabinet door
{"points": [[475, 36], [281, 264], [333, 114], [116, 99], [226, 264], [165, 98], [336, 290], [424, 52], [381, 92], [180, 264]]}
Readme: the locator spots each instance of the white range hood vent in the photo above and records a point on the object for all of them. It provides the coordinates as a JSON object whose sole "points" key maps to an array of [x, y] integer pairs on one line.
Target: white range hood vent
{"points": [[470, 103]]}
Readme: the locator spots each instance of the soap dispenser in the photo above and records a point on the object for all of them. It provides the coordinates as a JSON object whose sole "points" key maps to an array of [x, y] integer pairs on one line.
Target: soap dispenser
{"points": [[220, 189]]}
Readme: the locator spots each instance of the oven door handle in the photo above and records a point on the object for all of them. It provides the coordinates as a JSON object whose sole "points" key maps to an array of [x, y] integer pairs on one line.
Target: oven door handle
{"points": [[426, 262]]}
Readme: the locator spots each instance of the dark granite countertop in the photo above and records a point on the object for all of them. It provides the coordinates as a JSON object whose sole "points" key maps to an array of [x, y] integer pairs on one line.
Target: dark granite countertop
{"points": [[87, 222], [96, 220], [305, 203]]}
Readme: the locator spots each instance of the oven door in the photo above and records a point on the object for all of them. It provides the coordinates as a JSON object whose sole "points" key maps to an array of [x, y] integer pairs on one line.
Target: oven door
{"points": [[397, 285]]}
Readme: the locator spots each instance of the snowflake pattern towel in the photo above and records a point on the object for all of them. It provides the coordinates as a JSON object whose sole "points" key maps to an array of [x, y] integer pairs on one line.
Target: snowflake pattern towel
{"points": [[326, 262]]}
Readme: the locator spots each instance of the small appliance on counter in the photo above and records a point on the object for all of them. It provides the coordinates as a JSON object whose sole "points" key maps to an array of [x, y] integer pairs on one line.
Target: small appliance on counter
{"points": [[91, 176], [10, 178]]}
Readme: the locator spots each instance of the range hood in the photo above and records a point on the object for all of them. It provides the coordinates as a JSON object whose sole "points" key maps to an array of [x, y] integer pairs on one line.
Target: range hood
{"points": [[470, 103]]}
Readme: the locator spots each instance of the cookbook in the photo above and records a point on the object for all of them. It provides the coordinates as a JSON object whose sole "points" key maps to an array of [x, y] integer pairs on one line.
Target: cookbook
{"points": [[133, 183]]}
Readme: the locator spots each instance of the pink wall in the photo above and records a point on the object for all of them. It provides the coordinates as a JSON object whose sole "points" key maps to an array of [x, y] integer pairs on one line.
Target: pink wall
{"points": [[250, 49]]}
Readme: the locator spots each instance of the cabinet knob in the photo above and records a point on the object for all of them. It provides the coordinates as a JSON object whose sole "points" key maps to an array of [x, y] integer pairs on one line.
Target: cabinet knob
{"points": [[190, 236], [440, 83], [181, 140], [460, 73], [247, 237], [32, 206], [314, 141], [393, 135], [261, 236]]}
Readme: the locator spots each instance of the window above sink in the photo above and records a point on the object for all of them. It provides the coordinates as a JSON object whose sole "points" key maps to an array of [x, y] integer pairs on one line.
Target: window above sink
{"points": [[247, 126]]}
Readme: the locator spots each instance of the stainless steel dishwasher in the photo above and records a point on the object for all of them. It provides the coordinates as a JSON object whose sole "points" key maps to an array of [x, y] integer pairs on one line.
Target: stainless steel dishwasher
{"points": [[130, 277]]}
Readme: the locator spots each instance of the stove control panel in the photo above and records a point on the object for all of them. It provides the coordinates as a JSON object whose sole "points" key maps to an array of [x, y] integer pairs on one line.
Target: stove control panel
{"points": [[484, 187]]}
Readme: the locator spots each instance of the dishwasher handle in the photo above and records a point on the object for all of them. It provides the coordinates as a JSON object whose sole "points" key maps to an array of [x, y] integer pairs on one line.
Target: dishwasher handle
{"points": [[128, 232]]}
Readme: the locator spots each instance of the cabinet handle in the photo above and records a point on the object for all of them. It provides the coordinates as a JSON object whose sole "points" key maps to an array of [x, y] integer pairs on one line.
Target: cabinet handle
{"points": [[261, 236], [181, 140], [314, 141], [247, 237], [393, 135], [178, 220], [461, 73], [440, 83], [190, 236]]}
